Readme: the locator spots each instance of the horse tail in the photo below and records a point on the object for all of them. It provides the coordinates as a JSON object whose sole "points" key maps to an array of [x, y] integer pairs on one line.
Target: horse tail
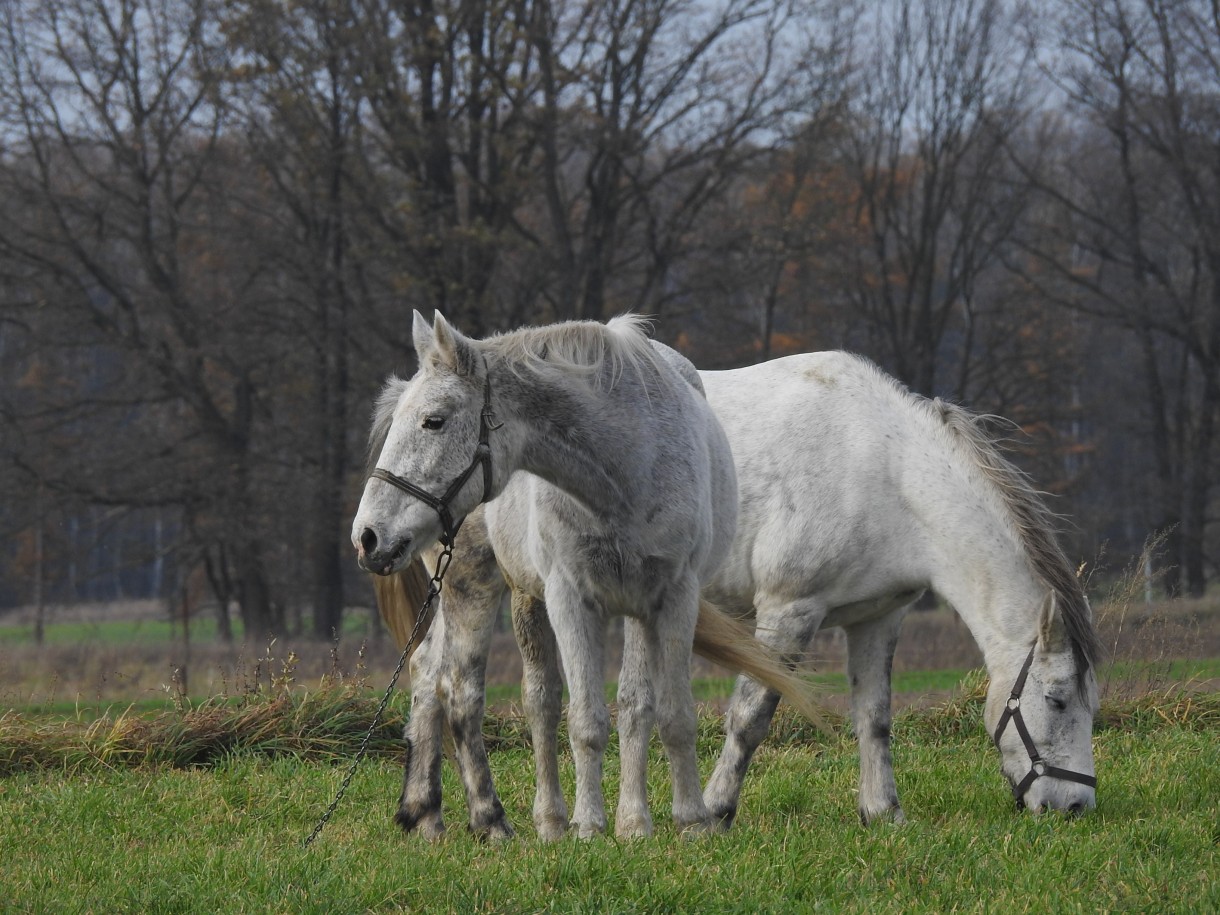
{"points": [[731, 643], [399, 597]]}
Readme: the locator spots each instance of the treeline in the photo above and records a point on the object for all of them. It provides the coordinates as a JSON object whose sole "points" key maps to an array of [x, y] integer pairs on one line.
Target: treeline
{"points": [[218, 215]]}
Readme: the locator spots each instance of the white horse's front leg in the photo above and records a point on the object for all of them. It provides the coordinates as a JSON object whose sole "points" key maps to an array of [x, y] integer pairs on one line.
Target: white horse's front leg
{"points": [[419, 807], [542, 696], [669, 638], [870, 660], [580, 630], [636, 716]]}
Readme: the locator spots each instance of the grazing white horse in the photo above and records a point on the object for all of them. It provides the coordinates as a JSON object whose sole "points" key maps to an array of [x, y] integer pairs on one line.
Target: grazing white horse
{"points": [[627, 505], [855, 497]]}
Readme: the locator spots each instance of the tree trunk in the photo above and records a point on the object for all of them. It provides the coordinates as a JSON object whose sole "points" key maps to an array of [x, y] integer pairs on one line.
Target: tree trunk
{"points": [[1198, 487]]}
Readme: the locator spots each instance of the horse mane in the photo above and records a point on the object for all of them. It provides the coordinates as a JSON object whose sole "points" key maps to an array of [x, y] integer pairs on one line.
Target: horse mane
{"points": [[580, 348], [1035, 525], [383, 417], [599, 353]]}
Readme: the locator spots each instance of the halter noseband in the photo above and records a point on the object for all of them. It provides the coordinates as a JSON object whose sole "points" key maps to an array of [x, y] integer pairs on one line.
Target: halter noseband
{"points": [[482, 455], [1038, 767]]}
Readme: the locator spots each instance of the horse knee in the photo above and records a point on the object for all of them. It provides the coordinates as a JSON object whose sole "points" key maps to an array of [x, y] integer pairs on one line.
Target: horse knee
{"points": [[589, 729]]}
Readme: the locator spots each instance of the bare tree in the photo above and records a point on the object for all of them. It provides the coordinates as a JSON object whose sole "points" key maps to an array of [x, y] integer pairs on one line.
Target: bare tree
{"points": [[1131, 227], [298, 103], [667, 104], [935, 103], [113, 124]]}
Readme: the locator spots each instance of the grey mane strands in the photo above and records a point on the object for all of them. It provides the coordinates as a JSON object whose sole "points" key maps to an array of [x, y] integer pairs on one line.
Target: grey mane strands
{"points": [[1035, 524], [383, 416], [582, 349], [579, 347]]}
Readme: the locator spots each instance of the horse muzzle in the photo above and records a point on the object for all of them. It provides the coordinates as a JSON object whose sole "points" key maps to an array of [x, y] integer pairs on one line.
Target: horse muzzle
{"points": [[1067, 797], [379, 556]]}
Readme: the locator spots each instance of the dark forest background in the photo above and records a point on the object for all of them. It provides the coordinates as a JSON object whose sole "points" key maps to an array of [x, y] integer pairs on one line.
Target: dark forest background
{"points": [[217, 215]]}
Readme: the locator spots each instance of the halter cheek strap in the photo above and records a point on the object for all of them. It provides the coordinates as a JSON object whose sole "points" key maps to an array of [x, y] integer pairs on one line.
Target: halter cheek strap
{"points": [[1038, 767], [482, 457]]}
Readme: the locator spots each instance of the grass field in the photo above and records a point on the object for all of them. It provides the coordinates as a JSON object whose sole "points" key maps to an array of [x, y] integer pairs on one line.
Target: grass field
{"points": [[103, 834], [123, 790]]}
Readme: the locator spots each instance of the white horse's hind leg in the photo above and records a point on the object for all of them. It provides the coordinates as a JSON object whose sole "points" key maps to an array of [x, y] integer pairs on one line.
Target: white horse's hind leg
{"points": [[636, 716], [788, 629], [669, 640], [542, 696], [870, 658], [745, 724], [580, 632], [419, 806]]}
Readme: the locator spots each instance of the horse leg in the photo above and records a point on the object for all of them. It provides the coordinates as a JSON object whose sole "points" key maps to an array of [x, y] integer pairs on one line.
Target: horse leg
{"points": [[580, 631], [419, 806], [636, 714], [668, 639], [542, 695], [870, 661], [787, 628], [469, 624]]}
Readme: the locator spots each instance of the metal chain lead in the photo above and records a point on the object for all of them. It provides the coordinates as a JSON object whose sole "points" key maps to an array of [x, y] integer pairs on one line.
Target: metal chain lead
{"points": [[434, 590]]}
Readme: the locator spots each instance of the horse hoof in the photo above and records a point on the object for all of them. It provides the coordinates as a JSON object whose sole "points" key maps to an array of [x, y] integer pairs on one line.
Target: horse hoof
{"points": [[694, 829], [890, 815], [633, 827], [723, 819], [497, 831], [551, 829], [719, 824], [430, 825], [588, 830]]}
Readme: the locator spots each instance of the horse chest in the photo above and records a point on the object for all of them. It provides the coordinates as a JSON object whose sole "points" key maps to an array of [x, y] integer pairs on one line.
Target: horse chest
{"points": [[546, 539]]}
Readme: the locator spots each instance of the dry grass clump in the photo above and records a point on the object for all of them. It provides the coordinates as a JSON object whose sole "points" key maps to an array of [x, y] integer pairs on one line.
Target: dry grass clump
{"points": [[325, 723], [1178, 706]]}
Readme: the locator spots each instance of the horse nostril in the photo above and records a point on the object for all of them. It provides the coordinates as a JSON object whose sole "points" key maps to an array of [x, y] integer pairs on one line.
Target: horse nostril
{"points": [[1076, 808], [368, 540]]}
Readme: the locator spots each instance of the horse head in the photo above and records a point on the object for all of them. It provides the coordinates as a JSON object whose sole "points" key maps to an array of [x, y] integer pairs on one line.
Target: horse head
{"points": [[436, 438], [1041, 718]]}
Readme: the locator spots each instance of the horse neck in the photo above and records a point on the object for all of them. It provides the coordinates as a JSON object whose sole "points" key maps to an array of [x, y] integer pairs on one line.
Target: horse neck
{"points": [[566, 433], [999, 603], [985, 573]]}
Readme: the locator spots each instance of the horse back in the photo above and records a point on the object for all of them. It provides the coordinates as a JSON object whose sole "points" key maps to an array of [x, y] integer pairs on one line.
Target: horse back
{"points": [[836, 465]]}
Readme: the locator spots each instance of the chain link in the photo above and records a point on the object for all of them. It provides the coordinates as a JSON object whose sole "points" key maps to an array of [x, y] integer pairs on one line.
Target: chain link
{"points": [[434, 590]]}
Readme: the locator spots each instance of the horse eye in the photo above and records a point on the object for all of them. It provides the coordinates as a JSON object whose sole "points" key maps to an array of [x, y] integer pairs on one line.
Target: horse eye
{"points": [[1056, 703], [433, 421]]}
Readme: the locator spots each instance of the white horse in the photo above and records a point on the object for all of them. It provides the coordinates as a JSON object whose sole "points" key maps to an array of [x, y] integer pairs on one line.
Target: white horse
{"points": [[627, 506], [855, 497]]}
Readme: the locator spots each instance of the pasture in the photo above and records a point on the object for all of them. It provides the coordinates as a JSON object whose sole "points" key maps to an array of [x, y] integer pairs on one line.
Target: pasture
{"points": [[96, 833], [200, 801]]}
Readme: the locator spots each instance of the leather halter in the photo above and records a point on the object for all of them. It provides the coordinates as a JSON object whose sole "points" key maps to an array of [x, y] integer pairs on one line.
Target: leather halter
{"points": [[482, 456], [1038, 767]]}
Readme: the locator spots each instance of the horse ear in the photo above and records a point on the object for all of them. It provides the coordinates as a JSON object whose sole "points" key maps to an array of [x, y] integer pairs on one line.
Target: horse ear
{"points": [[421, 335], [453, 349], [1052, 637]]}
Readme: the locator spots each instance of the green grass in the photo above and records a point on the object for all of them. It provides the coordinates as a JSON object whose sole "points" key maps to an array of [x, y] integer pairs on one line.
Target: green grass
{"points": [[107, 831], [922, 682]]}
